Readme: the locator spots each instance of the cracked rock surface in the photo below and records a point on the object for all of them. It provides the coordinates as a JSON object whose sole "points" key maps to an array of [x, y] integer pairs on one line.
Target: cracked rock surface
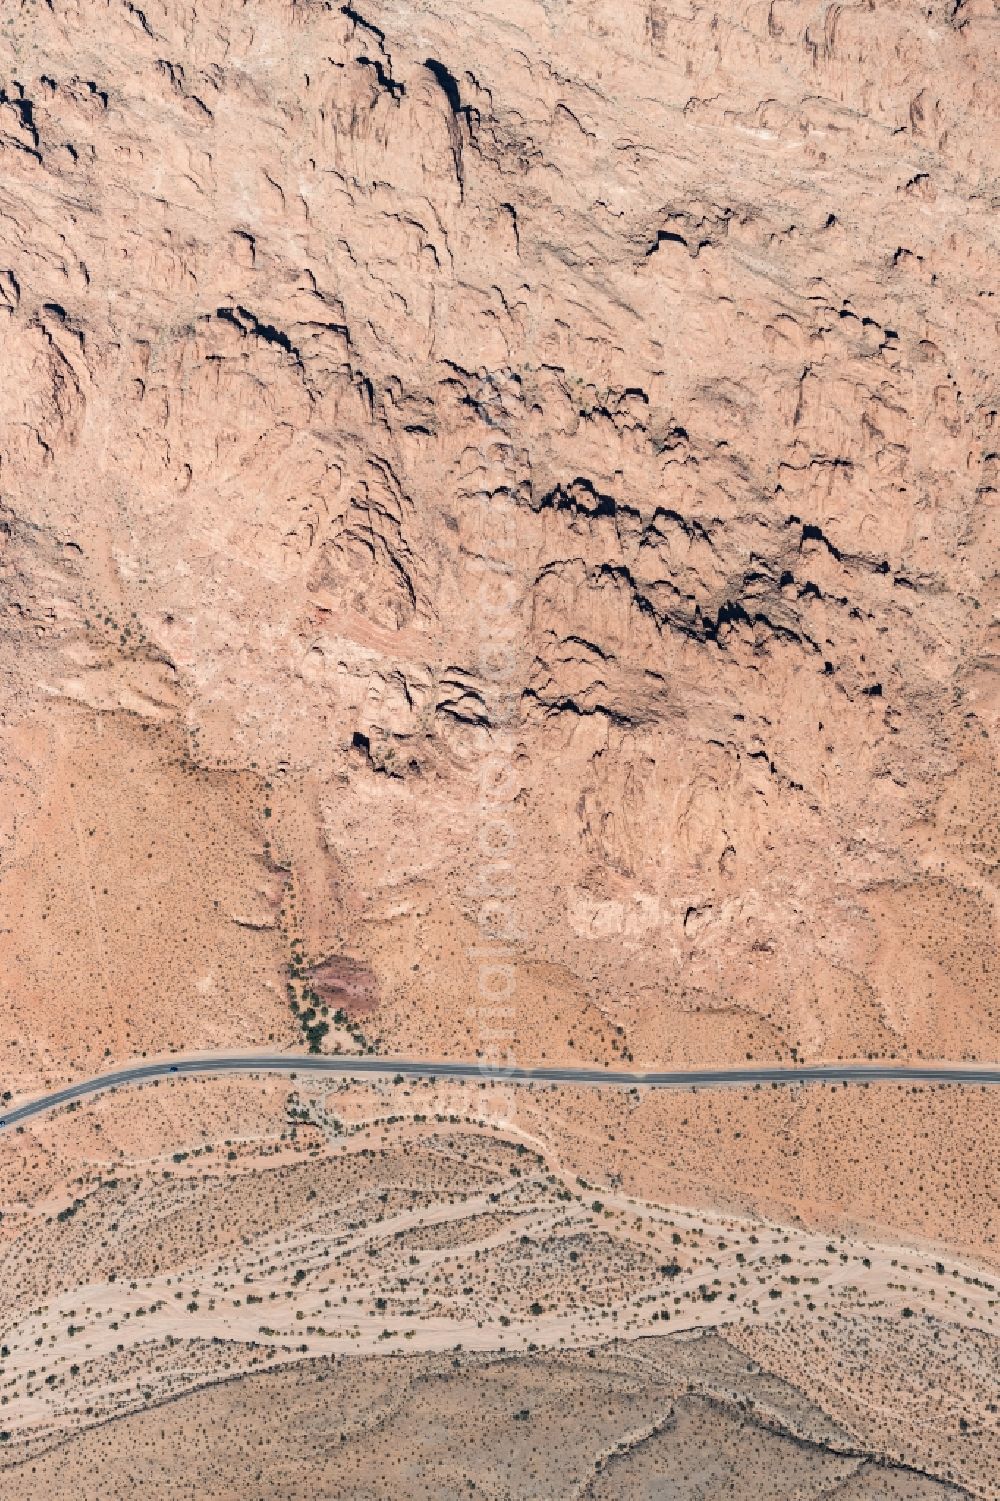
{"points": [[520, 474]]}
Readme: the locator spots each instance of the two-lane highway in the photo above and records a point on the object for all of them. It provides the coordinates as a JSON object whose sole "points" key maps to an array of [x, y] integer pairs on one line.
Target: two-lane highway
{"points": [[410, 1068]]}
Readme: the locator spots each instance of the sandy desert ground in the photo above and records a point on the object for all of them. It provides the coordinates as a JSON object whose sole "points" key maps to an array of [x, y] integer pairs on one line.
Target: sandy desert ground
{"points": [[164, 1283]]}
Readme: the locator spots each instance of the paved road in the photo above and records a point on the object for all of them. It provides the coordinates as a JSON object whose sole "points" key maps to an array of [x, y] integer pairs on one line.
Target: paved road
{"points": [[355, 1067]]}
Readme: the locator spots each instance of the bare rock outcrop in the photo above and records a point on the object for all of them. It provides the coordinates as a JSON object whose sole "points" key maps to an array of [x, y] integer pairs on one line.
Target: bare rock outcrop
{"points": [[592, 405]]}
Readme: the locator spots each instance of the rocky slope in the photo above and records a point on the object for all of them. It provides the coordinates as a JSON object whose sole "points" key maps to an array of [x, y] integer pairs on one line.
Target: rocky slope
{"points": [[519, 475]]}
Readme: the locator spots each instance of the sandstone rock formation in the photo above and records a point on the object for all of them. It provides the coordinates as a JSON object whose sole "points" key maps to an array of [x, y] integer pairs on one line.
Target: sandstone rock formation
{"points": [[596, 399], [498, 555]]}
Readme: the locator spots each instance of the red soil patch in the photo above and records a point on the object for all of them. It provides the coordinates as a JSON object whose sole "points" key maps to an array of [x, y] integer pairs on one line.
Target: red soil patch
{"points": [[345, 985]]}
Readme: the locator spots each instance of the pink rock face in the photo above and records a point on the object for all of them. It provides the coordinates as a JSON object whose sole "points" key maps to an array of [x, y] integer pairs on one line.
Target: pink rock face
{"points": [[344, 985], [571, 427]]}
